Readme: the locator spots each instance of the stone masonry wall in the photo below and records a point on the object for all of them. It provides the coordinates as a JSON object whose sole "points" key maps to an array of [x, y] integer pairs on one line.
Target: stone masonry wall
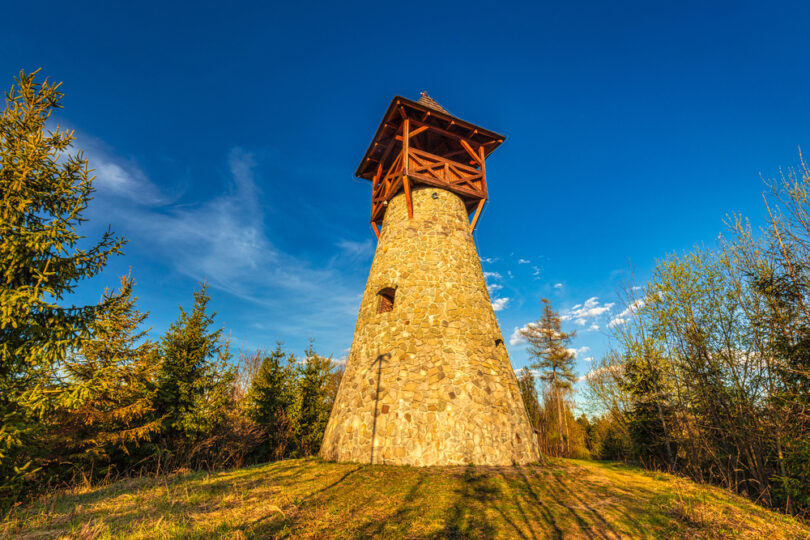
{"points": [[429, 382]]}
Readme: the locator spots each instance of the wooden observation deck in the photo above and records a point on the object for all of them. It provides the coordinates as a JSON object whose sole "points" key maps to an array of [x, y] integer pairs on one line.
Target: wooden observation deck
{"points": [[418, 142]]}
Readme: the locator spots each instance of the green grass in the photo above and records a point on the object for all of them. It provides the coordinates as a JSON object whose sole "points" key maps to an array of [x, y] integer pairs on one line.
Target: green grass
{"points": [[311, 498]]}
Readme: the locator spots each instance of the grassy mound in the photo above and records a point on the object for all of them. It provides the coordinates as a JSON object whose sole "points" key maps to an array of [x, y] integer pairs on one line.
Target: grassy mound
{"points": [[311, 498]]}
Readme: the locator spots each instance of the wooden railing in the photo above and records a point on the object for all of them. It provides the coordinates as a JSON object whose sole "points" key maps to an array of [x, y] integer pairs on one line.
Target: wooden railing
{"points": [[413, 166]]}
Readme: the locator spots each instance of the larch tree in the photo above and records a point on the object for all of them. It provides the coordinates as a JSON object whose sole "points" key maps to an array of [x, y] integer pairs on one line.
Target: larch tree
{"points": [[45, 190], [548, 347]]}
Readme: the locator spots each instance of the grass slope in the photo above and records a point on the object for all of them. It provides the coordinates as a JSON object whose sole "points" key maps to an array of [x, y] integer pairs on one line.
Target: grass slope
{"points": [[311, 498]]}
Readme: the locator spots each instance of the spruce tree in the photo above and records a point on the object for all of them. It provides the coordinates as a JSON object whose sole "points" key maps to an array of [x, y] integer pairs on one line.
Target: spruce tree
{"points": [[118, 369], [194, 379], [271, 401], [44, 189], [315, 401]]}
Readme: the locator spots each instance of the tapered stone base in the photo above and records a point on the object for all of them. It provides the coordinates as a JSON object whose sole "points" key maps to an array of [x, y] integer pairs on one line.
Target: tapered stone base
{"points": [[429, 382]]}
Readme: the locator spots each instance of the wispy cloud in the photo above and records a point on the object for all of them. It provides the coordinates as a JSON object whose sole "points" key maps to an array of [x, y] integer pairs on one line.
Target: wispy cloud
{"points": [[493, 275], [489, 260], [498, 304], [524, 261], [558, 285], [356, 250], [223, 240]]}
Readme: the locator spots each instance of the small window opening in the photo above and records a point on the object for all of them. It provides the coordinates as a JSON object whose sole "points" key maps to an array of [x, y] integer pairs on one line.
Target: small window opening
{"points": [[498, 342], [386, 302]]}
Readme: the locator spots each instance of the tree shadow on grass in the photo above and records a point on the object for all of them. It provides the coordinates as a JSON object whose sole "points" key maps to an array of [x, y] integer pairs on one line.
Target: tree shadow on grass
{"points": [[467, 517], [406, 514], [262, 528], [537, 508]]}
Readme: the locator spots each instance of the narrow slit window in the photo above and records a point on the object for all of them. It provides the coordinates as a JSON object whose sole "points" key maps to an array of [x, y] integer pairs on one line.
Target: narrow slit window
{"points": [[498, 341], [386, 300]]}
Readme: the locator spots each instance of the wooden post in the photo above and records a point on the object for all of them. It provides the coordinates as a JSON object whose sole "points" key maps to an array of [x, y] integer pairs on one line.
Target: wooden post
{"points": [[406, 165], [477, 214], [376, 230]]}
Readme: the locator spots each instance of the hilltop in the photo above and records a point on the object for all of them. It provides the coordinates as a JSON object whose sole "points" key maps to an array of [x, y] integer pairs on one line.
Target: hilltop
{"points": [[311, 498]]}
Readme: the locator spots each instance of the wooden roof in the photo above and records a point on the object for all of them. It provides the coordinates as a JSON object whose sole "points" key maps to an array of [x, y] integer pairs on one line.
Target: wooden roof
{"points": [[427, 112]]}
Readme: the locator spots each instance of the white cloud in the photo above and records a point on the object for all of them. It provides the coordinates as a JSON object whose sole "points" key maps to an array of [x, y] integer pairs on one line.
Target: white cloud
{"points": [[601, 371], [534, 372], [588, 359], [558, 285], [494, 275], [630, 311], [492, 287], [500, 303], [535, 271], [615, 322], [523, 261], [578, 352], [516, 338], [593, 327], [580, 313], [489, 260], [632, 308], [341, 362]]}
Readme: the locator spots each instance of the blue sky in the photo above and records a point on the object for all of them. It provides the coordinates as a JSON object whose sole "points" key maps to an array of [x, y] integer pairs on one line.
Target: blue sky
{"points": [[225, 137]]}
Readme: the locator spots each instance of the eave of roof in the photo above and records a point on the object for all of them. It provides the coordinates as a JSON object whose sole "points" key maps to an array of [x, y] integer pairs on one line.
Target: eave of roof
{"points": [[437, 112]]}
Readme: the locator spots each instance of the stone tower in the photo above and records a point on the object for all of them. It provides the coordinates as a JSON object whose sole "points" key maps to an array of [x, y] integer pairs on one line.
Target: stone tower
{"points": [[428, 379]]}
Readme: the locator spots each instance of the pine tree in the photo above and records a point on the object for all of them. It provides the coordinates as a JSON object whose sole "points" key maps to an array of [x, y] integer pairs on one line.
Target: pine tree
{"points": [[118, 368], [315, 401], [194, 379], [45, 189], [271, 401], [548, 348]]}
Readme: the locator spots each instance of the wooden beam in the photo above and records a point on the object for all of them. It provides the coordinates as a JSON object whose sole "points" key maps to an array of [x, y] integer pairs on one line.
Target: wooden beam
{"points": [[477, 214], [376, 179], [376, 230], [461, 190], [483, 171], [414, 133], [406, 161], [470, 151], [442, 131]]}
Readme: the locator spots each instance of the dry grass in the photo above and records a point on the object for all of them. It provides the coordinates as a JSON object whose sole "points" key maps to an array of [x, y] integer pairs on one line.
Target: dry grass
{"points": [[313, 499]]}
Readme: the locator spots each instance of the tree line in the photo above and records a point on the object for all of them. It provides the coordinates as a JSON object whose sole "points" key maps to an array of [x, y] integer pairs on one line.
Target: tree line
{"points": [[85, 394], [710, 376]]}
